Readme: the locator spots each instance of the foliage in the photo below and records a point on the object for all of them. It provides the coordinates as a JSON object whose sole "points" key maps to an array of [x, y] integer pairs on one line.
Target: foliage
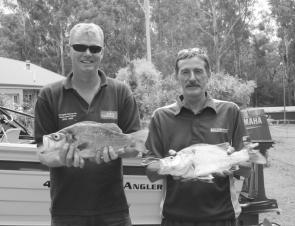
{"points": [[265, 69], [151, 90], [220, 26], [169, 90], [142, 78], [38, 30], [225, 87], [283, 11], [123, 24]]}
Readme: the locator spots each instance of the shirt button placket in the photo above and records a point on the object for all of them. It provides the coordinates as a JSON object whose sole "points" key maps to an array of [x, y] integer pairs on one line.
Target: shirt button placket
{"points": [[195, 125]]}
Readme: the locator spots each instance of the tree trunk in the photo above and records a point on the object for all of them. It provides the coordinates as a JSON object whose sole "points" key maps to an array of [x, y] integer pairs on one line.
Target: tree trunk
{"points": [[61, 47], [147, 29], [237, 59], [215, 37]]}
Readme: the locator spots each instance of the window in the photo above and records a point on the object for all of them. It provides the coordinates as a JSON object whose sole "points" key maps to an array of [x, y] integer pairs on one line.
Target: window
{"points": [[16, 99]]}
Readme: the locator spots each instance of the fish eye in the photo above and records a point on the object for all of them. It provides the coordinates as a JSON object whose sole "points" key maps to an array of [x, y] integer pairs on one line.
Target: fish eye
{"points": [[56, 136]]}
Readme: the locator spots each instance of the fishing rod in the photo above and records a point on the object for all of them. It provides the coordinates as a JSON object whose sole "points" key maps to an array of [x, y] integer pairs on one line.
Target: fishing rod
{"points": [[18, 112], [9, 119]]}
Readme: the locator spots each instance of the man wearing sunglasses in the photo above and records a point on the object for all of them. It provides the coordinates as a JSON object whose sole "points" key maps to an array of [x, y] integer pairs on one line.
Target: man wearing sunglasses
{"points": [[86, 192], [195, 118]]}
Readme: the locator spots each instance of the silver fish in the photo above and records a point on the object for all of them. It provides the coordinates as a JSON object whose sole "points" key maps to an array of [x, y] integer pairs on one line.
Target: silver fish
{"points": [[200, 161], [90, 137]]}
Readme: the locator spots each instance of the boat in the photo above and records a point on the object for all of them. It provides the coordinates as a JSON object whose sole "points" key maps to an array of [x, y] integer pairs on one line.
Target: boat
{"points": [[24, 181]]}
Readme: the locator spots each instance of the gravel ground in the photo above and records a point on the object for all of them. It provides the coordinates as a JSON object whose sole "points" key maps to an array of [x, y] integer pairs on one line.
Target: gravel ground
{"points": [[279, 176]]}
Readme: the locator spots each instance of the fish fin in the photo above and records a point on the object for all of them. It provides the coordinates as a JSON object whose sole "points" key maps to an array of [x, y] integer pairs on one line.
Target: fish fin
{"points": [[198, 145], [266, 222], [139, 137], [87, 153], [147, 161], [224, 145], [82, 146], [68, 132], [256, 157], [208, 179], [113, 127]]}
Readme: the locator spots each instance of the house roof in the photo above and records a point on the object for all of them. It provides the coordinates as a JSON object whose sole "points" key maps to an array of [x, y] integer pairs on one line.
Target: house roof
{"points": [[15, 73]]}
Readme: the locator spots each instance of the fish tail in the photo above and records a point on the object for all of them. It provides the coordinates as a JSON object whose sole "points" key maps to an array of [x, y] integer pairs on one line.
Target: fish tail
{"points": [[246, 154], [256, 157], [139, 137]]}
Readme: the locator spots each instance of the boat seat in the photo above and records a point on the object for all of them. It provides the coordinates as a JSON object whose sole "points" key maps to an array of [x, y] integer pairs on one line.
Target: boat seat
{"points": [[11, 135]]}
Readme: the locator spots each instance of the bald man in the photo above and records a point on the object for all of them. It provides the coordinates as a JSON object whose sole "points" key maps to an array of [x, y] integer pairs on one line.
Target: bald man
{"points": [[86, 192]]}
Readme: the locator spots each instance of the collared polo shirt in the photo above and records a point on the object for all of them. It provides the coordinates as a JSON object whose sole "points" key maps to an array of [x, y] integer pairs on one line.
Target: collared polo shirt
{"points": [[95, 189], [176, 127]]}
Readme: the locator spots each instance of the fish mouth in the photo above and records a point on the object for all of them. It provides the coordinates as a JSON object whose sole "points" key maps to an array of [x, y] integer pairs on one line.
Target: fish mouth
{"points": [[45, 142]]}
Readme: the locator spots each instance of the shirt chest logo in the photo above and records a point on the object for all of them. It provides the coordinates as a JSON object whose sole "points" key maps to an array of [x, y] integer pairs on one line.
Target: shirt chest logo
{"points": [[67, 116], [109, 114], [218, 130]]}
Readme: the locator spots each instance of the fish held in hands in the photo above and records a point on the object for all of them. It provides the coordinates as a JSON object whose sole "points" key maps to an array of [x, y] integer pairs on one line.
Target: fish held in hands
{"points": [[200, 161], [90, 137]]}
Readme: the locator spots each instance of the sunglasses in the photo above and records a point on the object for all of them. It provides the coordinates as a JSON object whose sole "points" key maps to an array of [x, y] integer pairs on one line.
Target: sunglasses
{"points": [[83, 48], [192, 51]]}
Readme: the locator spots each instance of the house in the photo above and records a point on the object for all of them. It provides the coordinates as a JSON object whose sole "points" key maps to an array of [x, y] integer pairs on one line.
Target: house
{"points": [[21, 81]]}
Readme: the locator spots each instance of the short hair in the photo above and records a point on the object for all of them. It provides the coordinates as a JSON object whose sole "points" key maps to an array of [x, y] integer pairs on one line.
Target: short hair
{"points": [[190, 53], [86, 27]]}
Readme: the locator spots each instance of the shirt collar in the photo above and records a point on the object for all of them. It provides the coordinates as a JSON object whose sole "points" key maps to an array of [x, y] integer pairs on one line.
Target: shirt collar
{"points": [[208, 104], [68, 81]]}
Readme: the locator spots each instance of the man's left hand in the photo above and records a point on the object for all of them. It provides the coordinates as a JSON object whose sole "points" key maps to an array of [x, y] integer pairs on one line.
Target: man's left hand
{"points": [[224, 173], [128, 152], [106, 155]]}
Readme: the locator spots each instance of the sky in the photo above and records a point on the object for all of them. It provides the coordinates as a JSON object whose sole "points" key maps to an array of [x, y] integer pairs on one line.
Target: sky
{"points": [[261, 7], [262, 11]]}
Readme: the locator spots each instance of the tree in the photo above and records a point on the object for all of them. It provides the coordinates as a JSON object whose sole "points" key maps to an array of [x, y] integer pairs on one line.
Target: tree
{"points": [[41, 28], [123, 22], [152, 90], [225, 25], [283, 11], [173, 26], [38, 31], [225, 87], [143, 79], [219, 26]]}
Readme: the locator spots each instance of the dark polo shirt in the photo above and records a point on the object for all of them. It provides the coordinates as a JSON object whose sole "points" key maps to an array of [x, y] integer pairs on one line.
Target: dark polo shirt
{"points": [[176, 127], [95, 189]]}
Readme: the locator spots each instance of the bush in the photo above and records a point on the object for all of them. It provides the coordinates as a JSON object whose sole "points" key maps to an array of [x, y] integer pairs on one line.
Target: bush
{"points": [[152, 91], [225, 87], [143, 79]]}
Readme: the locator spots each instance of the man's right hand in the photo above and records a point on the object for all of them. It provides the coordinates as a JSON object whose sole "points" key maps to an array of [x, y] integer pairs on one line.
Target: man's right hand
{"points": [[63, 154], [72, 157]]}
